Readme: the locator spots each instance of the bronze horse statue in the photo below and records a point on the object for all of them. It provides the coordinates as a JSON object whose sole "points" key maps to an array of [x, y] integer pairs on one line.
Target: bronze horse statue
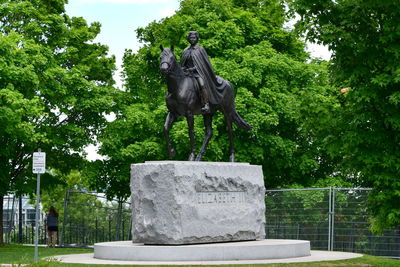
{"points": [[183, 100]]}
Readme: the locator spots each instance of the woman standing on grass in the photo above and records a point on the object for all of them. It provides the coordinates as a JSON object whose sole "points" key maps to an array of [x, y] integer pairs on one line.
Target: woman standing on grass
{"points": [[52, 226]]}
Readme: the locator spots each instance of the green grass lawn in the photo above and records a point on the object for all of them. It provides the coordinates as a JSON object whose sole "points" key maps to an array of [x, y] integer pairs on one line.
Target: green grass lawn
{"points": [[18, 254]]}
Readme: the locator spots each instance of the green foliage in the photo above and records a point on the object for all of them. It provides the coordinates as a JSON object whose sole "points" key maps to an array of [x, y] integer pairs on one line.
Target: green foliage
{"points": [[55, 86], [86, 217], [55, 195], [133, 137], [90, 219], [364, 37]]}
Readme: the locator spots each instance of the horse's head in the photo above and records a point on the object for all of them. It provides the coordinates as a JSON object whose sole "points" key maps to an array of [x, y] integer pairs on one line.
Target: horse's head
{"points": [[167, 59]]}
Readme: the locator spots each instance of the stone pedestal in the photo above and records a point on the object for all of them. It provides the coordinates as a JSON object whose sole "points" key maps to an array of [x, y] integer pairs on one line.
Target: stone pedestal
{"points": [[177, 203]]}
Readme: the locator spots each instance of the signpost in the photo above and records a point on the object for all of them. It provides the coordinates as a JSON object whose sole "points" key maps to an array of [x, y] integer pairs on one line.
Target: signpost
{"points": [[38, 167], [39, 162]]}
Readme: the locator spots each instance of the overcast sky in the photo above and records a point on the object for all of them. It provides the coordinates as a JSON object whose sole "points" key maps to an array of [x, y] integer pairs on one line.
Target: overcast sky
{"points": [[120, 18]]}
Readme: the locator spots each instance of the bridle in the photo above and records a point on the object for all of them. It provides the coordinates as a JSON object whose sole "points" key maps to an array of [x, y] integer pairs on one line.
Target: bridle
{"points": [[168, 64]]}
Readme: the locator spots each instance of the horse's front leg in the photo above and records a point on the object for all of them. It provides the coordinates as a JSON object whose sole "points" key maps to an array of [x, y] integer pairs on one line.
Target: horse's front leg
{"points": [[231, 139], [190, 122], [208, 134], [167, 126]]}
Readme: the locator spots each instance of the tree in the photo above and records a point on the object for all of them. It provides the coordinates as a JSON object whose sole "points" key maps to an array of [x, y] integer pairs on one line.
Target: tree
{"points": [[133, 137], [265, 62], [364, 38], [55, 86]]}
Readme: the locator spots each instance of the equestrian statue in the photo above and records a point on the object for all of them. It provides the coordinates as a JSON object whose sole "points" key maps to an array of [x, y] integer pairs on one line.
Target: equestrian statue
{"points": [[194, 89]]}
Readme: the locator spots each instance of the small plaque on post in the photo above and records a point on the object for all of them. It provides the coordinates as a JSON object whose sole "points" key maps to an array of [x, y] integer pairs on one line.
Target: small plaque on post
{"points": [[39, 162]]}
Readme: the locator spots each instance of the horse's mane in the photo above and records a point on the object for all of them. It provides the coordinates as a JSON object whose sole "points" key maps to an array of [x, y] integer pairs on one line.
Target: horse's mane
{"points": [[166, 52]]}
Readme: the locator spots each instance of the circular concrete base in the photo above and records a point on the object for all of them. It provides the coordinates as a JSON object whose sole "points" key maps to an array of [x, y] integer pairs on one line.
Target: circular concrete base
{"points": [[315, 256], [231, 251]]}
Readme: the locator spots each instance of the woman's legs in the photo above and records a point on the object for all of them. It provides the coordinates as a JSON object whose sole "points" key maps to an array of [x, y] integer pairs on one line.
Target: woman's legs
{"points": [[48, 238], [55, 235], [52, 238]]}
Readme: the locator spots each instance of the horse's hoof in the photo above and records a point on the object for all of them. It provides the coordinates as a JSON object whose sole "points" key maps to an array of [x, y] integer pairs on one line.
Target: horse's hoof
{"points": [[191, 157], [232, 158], [206, 109], [172, 153]]}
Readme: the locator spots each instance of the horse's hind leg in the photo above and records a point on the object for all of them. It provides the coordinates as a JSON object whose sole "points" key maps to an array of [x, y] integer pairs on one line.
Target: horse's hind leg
{"points": [[167, 126], [208, 134], [190, 122], [231, 139]]}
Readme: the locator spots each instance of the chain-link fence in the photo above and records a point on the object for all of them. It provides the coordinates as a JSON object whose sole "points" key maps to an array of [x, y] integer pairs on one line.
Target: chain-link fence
{"points": [[19, 221], [331, 218], [90, 218], [86, 218]]}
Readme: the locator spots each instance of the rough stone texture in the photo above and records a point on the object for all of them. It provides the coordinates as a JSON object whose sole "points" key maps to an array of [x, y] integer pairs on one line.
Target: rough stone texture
{"points": [[179, 202]]}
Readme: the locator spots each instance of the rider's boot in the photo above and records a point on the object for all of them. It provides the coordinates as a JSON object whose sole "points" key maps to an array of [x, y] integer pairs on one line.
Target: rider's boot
{"points": [[206, 108]]}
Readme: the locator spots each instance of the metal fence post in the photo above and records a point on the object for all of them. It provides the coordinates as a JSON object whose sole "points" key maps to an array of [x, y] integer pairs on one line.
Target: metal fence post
{"points": [[95, 231], [20, 219], [333, 218], [83, 232], [130, 229], [64, 221], [109, 228], [37, 218], [329, 218], [348, 231]]}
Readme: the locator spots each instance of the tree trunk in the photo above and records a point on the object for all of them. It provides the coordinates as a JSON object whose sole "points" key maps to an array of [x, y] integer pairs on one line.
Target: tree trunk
{"points": [[1, 220]]}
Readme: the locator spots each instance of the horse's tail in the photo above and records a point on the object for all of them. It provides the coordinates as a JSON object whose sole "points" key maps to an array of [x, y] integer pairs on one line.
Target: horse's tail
{"points": [[240, 121]]}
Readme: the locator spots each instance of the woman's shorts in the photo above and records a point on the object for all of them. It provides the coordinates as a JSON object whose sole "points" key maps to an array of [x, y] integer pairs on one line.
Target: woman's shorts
{"points": [[52, 228]]}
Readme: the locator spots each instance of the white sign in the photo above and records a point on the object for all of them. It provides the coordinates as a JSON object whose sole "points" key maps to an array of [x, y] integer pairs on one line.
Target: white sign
{"points": [[39, 162]]}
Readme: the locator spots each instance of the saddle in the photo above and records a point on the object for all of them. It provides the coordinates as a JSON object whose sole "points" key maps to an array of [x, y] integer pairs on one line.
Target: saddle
{"points": [[216, 93]]}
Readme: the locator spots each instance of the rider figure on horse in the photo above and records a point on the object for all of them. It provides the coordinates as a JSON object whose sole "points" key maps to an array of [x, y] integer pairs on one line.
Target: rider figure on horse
{"points": [[198, 91], [195, 63]]}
